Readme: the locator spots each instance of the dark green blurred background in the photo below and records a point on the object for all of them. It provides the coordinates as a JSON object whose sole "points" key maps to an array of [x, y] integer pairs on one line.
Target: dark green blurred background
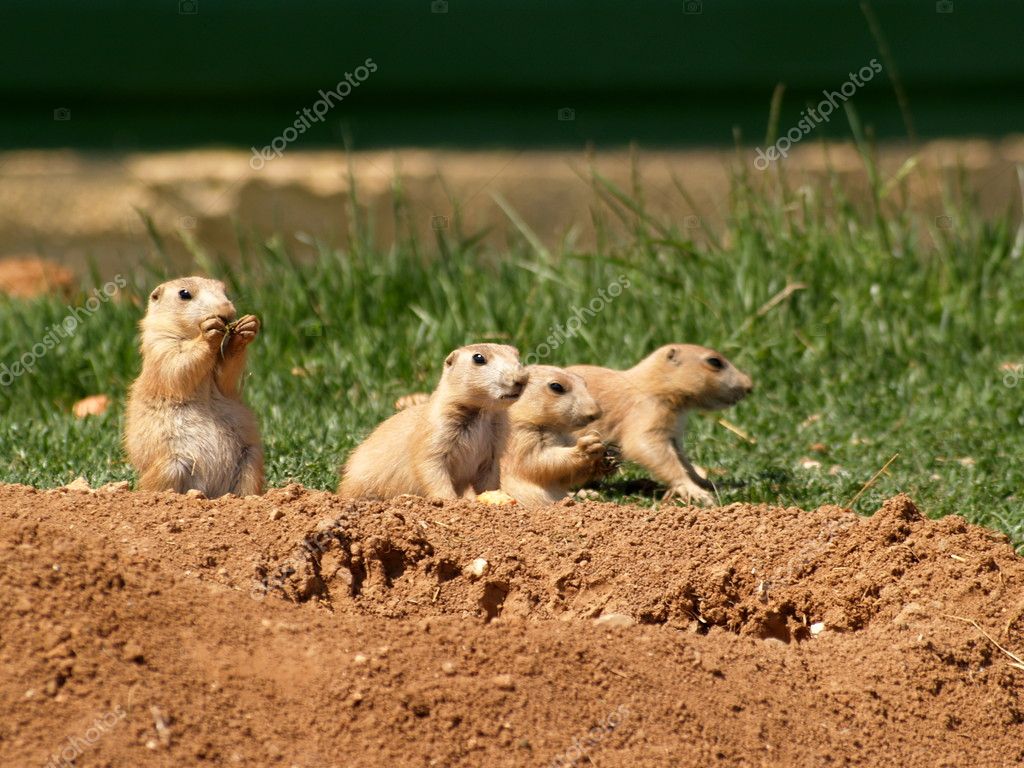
{"points": [[163, 73]]}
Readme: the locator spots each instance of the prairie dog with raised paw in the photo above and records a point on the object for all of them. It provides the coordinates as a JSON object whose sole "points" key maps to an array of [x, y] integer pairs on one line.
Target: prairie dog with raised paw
{"points": [[448, 446], [543, 459], [644, 409], [186, 427]]}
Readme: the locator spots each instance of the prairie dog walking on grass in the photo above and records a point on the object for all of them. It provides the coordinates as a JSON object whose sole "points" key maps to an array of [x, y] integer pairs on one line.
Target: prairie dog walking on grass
{"points": [[542, 459], [448, 446], [644, 409], [186, 426]]}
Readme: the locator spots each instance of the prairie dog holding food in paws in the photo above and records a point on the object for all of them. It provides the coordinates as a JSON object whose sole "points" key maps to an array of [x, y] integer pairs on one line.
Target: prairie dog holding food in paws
{"points": [[448, 446], [644, 409], [543, 459], [186, 426]]}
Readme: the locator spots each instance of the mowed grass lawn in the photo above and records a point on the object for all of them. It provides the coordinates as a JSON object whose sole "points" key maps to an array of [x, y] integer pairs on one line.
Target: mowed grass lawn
{"points": [[870, 331]]}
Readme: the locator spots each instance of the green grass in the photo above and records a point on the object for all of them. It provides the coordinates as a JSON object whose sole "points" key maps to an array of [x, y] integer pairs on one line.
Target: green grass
{"points": [[891, 343]]}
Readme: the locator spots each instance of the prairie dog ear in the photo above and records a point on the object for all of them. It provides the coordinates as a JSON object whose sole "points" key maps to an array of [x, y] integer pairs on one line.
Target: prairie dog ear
{"points": [[450, 360], [673, 355], [157, 292]]}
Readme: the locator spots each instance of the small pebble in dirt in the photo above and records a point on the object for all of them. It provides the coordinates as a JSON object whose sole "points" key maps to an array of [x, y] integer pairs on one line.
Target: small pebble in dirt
{"points": [[614, 620], [495, 498], [448, 668], [121, 486], [817, 628], [360, 658], [504, 682], [132, 651], [476, 569], [276, 514], [194, 493]]}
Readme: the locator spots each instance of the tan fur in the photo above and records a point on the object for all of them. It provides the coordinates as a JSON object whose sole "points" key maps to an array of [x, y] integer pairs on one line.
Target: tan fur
{"points": [[447, 447], [543, 459], [186, 426], [644, 409]]}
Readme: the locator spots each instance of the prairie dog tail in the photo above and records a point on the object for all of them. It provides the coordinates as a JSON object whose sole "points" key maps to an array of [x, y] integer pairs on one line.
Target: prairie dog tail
{"points": [[407, 401]]}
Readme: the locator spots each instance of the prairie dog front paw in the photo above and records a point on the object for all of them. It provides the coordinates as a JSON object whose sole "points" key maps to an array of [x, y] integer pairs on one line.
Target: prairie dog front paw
{"points": [[590, 446], [245, 329], [213, 329], [690, 493]]}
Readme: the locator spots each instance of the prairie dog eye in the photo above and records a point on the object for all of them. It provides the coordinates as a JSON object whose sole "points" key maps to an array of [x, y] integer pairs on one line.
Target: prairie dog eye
{"points": [[184, 295], [716, 363], [479, 359], [557, 388]]}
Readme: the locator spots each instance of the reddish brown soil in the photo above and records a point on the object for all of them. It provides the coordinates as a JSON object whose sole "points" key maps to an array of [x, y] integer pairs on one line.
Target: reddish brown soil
{"points": [[26, 278], [299, 629]]}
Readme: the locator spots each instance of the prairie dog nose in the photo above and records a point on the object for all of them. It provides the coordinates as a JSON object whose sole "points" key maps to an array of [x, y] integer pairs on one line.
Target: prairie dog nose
{"points": [[226, 312], [517, 377]]}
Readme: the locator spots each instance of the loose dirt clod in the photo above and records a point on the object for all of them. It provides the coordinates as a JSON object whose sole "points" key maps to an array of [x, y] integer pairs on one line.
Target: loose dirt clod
{"points": [[79, 485], [94, 405], [349, 628], [504, 682]]}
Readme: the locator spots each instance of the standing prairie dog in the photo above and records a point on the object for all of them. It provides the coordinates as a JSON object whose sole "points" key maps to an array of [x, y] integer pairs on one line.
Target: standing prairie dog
{"points": [[644, 409], [186, 426], [542, 459], [448, 446]]}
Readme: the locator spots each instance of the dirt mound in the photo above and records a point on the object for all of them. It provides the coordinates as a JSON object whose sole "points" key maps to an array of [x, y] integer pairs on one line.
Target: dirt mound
{"points": [[300, 629], [26, 278]]}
